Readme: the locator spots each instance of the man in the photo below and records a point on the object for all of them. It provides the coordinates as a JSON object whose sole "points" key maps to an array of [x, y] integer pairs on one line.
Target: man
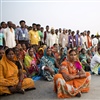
{"points": [[9, 35], [63, 39], [2, 40], [22, 36], [78, 39], [40, 34], [46, 35], [42, 31], [89, 40], [34, 36], [52, 38]]}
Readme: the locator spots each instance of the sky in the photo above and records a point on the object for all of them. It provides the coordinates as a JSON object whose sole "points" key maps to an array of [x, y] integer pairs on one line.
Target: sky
{"points": [[70, 14]]}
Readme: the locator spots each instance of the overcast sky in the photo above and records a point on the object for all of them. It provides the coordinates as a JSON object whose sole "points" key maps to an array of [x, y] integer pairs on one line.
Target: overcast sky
{"points": [[82, 15]]}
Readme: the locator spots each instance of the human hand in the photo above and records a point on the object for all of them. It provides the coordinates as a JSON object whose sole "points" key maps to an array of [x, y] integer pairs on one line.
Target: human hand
{"points": [[19, 86]]}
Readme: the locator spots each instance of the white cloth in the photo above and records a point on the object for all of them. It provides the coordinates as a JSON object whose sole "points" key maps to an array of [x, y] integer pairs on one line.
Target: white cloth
{"points": [[84, 39], [63, 39], [52, 38], [95, 60], [94, 41], [9, 37]]}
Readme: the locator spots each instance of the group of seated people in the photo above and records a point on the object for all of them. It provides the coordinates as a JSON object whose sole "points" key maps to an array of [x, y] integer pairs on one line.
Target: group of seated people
{"points": [[70, 69]]}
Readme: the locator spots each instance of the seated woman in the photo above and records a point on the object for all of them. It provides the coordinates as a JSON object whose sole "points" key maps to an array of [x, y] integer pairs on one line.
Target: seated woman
{"points": [[39, 54], [49, 65], [71, 80], [11, 76], [30, 62], [19, 58], [84, 58]]}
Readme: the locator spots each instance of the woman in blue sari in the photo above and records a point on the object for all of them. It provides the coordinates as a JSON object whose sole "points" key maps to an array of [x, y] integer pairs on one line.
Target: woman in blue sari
{"points": [[49, 65]]}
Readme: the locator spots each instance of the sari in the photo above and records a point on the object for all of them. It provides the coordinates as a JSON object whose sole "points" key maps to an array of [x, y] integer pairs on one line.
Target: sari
{"points": [[30, 63], [9, 77], [50, 62], [67, 89]]}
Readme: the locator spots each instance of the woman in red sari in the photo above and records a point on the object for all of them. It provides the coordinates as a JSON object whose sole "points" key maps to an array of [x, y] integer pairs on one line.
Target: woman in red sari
{"points": [[71, 80]]}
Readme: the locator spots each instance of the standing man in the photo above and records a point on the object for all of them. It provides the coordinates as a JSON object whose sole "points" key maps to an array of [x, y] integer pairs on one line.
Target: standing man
{"points": [[63, 39], [89, 40], [22, 36], [34, 37], [9, 35], [40, 34], [46, 35], [2, 40]]}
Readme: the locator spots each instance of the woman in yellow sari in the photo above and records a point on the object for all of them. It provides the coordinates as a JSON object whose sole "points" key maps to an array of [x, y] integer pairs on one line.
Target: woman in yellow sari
{"points": [[71, 80], [11, 75]]}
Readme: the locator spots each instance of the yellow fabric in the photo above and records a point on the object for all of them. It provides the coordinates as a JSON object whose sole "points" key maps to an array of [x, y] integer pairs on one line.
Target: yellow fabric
{"points": [[34, 37], [9, 76]]}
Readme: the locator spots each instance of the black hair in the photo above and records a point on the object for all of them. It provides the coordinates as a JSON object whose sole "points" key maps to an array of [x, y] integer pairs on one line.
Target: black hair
{"points": [[22, 21], [72, 51], [2, 23], [47, 26], [33, 24], [38, 25], [8, 50], [54, 44], [82, 49]]}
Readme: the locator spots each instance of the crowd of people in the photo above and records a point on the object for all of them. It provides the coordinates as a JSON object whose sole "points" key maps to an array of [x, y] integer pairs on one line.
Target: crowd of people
{"points": [[66, 57]]}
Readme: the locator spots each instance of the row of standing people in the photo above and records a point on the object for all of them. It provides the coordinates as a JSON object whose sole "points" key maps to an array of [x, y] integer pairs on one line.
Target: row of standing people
{"points": [[36, 36]]}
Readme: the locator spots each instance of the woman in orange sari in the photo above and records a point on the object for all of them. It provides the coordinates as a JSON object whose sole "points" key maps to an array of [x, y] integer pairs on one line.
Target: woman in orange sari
{"points": [[11, 75], [71, 80]]}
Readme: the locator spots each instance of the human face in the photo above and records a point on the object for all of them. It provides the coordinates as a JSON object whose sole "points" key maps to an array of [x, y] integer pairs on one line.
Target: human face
{"points": [[10, 55], [73, 56], [34, 27], [49, 52], [2, 52], [83, 51], [31, 52], [47, 28], [17, 51], [22, 24], [4, 25], [10, 24]]}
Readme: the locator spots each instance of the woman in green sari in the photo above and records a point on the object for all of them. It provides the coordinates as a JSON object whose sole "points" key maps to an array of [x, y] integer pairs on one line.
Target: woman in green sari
{"points": [[30, 62], [49, 65]]}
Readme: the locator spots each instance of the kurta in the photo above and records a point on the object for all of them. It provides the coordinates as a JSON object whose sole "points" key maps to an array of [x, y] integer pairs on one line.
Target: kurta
{"points": [[9, 35], [52, 38]]}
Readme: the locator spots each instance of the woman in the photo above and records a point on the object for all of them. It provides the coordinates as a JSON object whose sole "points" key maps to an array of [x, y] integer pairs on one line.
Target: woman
{"points": [[49, 65], [30, 62], [19, 57], [39, 54], [11, 76], [72, 79], [84, 60]]}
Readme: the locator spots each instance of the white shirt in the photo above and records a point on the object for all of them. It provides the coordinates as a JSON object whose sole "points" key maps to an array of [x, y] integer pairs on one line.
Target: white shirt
{"points": [[95, 61], [94, 41], [52, 39]]}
